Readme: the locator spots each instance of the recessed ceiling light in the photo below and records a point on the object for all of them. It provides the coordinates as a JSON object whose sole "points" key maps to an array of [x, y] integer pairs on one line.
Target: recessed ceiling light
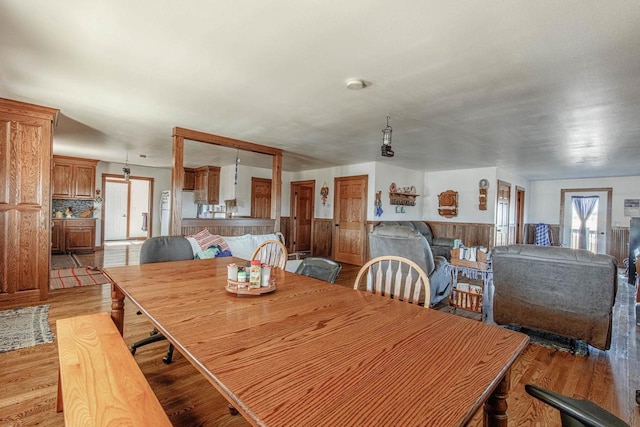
{"points": [[355, 84]]}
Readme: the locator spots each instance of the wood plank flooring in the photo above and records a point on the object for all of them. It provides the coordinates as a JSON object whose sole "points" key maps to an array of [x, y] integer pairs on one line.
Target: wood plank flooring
{"points": [[29, 376]]}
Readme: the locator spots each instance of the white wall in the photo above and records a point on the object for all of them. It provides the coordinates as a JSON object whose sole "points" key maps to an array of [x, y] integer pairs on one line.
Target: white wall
{"points": [[465, 182], [545, 197]]}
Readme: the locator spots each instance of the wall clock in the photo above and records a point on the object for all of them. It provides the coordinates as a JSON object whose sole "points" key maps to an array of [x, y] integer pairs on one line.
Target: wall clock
{"points": [[483, 185]]}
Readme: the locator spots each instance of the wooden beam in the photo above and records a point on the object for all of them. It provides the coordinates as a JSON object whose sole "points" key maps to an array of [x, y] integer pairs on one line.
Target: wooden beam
{"points": [[276, 191], [223, 141], [177, 182]]}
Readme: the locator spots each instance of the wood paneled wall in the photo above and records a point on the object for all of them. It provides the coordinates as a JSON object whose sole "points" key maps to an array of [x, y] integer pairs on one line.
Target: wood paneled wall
{"points": [[620, 243], [322, 237], [530, 234], [229, 227], [285, 229], [470, 233]]}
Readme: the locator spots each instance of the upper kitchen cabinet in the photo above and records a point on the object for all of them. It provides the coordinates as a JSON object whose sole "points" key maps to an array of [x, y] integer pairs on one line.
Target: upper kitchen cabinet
{"points": [[73, 178], [207, 187], [189, 183]]}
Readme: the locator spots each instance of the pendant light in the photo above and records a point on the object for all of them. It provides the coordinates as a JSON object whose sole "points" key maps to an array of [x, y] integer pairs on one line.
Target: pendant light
{"points": [[386, 150], [126, 169]]}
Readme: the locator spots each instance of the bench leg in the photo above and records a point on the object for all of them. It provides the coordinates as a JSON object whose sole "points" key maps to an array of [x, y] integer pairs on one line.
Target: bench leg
{"points": [[59, 406]]}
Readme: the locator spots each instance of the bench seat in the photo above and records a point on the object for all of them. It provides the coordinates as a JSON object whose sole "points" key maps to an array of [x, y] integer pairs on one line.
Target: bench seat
{"points": [[99, 381]]}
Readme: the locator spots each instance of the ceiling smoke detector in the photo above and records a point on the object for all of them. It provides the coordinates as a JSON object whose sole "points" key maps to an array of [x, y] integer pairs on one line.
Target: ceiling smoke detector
{"points": [[355, 84]]}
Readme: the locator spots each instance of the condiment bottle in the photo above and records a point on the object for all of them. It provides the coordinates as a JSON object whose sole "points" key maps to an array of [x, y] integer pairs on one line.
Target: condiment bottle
{"points": [[255, 274], [242, 275]]}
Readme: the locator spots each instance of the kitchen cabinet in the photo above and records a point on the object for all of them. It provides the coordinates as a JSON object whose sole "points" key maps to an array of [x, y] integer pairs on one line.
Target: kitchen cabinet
{"points": [[73, 178], [73, 235], [207, 185], [26, 135], [189, 183]]}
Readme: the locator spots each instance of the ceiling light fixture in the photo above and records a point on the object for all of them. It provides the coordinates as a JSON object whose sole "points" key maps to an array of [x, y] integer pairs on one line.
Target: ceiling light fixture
{"points": [[386, 150], [126, 169], [355, 84]]}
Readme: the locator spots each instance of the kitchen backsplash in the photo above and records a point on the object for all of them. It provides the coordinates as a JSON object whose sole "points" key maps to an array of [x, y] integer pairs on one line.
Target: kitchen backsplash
{"points": [[77, 206]]}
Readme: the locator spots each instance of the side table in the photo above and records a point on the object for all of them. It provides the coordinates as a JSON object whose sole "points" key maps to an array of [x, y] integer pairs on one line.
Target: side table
{"points": [[463, 299]]}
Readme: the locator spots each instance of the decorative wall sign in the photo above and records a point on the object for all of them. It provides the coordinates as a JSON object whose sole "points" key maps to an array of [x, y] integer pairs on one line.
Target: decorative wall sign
{"points": [[448, 204], [483, 185], [378, 203]]}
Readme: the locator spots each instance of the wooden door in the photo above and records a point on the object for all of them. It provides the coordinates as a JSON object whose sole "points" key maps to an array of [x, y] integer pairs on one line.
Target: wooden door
{"points": [[519, 215], [260, 197], [502, 213], [350, 216], [25, 202], [302, 208]]}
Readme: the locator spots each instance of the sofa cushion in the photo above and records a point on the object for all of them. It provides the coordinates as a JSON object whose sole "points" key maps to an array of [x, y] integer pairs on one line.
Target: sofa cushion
{"points": [[241, 246]]}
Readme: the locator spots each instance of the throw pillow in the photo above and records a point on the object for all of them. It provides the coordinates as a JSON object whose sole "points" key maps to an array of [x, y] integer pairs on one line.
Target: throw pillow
{"points": [[205, 239]]}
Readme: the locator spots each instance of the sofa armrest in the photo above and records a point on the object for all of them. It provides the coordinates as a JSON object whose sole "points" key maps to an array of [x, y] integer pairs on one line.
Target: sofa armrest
{"points": [[443, 241]]}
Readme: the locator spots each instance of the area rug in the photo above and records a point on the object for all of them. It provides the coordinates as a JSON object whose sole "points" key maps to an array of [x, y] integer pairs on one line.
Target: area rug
{"points": [[65, 261], [74, 277], [545, 339], [24, 327]]}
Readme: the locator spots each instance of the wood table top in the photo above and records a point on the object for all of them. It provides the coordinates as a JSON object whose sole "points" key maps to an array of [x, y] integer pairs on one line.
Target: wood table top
{"points": [[313, 353]]}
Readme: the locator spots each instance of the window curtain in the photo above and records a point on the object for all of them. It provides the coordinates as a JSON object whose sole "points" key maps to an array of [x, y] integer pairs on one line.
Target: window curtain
{"points": [[584, 206]]}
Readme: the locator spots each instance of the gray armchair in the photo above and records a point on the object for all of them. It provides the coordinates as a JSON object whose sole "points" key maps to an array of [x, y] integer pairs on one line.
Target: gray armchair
{"points": [[440, 246], [411, 244]]}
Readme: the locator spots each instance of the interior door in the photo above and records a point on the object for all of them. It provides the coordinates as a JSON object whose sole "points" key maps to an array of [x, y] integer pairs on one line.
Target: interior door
{"points": [[302, 207], [116, 210], [260, 197], [350, 216], [502, 213]]}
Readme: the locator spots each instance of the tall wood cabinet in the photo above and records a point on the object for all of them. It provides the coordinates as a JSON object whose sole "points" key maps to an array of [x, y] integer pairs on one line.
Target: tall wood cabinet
{"points": [[26, 132], [73, 178], [207, 186]]}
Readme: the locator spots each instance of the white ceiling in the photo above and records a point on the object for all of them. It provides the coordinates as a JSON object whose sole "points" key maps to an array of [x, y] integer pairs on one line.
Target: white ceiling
{"points": [[545, 89]]}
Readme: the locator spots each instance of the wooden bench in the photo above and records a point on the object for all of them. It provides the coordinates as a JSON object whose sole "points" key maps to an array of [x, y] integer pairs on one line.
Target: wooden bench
{"points": [[99, 382]]}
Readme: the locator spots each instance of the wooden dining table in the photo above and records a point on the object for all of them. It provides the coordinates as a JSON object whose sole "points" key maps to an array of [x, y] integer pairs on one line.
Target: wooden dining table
{"points": [[312, 353]]}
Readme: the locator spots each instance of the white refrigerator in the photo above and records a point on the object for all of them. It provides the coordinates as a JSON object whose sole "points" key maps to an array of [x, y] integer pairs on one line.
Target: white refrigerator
{"points": [[165, 206]]}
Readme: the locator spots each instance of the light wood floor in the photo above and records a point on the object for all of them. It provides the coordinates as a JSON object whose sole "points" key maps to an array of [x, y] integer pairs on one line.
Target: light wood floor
{"points": [[29, 376]]}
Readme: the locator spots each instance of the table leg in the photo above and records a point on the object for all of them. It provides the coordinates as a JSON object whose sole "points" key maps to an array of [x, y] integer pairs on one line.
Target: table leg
{"points": [[117, 308], [495, 408]]}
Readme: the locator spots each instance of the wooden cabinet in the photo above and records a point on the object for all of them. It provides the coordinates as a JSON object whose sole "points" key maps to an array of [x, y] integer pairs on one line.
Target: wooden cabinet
{"points": [[73, 178], [189, 183], [56, 235], [73, 235], [26, 132], [207, 186]]}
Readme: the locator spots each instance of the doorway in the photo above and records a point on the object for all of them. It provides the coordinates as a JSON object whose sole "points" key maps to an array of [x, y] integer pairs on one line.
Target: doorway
{"points": [[302, 209], [127, 208], [519, 215], [598, 223], [502, 213], [350, 217]]}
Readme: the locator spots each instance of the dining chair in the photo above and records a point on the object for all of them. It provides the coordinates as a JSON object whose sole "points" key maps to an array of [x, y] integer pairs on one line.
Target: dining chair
{"points": [[576, 412], [162, 249], [395, 278], [271, 252], [320, 268]]}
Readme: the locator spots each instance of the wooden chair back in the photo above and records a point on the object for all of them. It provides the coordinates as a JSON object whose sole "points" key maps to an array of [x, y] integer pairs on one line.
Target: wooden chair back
{"points": [[395, 278], [271, 252]]}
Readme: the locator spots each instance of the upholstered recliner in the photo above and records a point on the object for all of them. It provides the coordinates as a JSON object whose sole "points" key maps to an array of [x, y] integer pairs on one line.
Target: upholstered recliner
{"points": [[567, 292], [409, 243], [440, 246]]}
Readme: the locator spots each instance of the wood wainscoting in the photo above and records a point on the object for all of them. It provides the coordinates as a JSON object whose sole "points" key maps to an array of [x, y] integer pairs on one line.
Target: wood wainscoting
{"points": [[619, 244], [285, 229], [322, 237], [530, 234], [470, 233], [228, 227]]}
